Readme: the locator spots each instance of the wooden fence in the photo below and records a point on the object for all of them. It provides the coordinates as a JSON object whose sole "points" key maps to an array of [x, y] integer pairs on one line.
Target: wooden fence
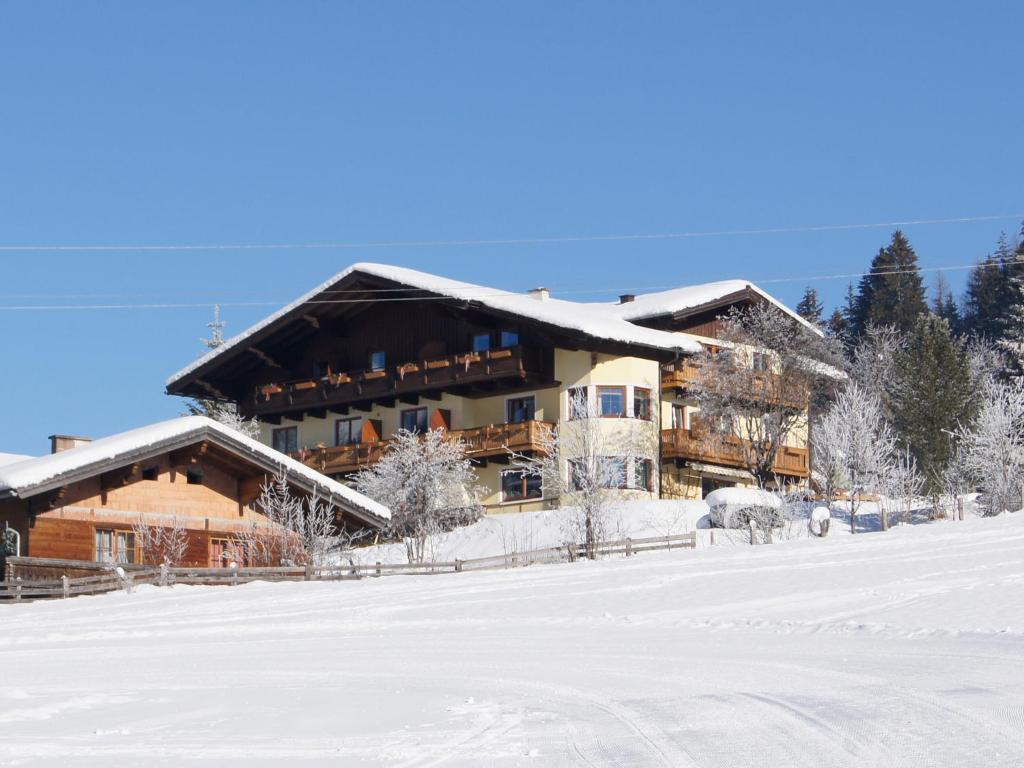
{"points": [[25, 575]]}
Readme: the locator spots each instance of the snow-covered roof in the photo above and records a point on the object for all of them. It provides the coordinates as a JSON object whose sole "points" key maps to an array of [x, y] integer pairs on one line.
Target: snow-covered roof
{"points": [[692, 298], [591, 319], [36, 475], [12, 458]]}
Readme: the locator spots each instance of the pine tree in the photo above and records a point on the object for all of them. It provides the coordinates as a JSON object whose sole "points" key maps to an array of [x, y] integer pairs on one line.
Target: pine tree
{"points": [[1011, 343], [944, 305], [987, 297], [932, 395], [810, 307], [892, 292]]}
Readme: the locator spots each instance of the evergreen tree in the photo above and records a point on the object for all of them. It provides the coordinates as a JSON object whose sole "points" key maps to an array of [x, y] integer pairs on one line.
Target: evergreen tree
{"points": [[837, 327], [932, 395], [1011, 344], [944, 304], [810, 307], [892, 292], [987, 297]]}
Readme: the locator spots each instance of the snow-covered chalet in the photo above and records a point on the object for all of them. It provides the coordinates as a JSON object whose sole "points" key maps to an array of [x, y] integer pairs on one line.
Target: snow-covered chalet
{"points": [[376, 348]]}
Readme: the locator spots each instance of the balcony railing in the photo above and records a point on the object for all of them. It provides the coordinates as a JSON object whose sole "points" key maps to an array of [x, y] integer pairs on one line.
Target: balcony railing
{"points": [[727, 451], [463, 369], [684, 376], [481, 443]]}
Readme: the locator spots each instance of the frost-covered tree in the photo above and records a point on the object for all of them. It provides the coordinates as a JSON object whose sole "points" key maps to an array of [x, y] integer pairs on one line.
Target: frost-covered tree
{"points": [[296, 530], [873, 366], [759, 386], [428, 484], [584, 464], [992, 447], [899, 485], [162, 542], [854, 445]]}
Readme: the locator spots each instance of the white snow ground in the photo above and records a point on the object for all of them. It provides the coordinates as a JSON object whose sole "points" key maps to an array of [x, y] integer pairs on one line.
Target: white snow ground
{"points": [[903, 648]]}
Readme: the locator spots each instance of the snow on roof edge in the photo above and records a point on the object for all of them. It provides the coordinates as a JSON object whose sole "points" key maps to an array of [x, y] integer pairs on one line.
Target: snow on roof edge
{"points": [[617, 329], [44, 469]]}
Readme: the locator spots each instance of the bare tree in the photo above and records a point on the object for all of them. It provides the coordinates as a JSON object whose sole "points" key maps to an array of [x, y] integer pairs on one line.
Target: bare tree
{"points": [[161, 542], [874, 364], [854, 441], [428, 484], [993, 446], [295, 530], [899, 483], [753, 394], [586, 463]]}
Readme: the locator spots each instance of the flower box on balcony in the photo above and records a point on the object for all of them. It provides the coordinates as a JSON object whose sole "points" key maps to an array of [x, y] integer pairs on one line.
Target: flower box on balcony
{"points": [[270, 390], [304, 385], [432, 364], [371, 375]]}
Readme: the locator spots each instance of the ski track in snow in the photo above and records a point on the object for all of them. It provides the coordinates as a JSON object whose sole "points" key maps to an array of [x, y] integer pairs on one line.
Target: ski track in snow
{"points": [[893, 650]]}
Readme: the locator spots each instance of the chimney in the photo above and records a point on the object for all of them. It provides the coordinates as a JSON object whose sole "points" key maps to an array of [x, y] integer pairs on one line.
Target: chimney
{"points": [[60, 443], [540, 294], [626, 298]]}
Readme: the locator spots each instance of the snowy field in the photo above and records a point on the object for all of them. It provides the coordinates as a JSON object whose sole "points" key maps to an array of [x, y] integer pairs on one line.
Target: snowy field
{"points": [[896, 649]]}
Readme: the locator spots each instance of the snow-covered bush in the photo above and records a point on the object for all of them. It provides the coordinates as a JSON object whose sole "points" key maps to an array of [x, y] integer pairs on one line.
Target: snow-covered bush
{"points": [[428, 484], [992, 448], [819, 521]]}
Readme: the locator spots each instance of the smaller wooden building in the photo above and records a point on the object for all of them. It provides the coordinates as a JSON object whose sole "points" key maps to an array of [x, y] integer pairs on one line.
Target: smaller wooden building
{"points": [[83, 503]]}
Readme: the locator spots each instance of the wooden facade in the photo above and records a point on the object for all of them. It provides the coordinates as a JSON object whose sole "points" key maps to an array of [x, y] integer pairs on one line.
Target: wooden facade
{"points": [[201, 482]]}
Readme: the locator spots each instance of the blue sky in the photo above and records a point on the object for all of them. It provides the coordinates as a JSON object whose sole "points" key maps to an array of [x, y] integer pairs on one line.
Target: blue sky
{"points": [[224, 122]]}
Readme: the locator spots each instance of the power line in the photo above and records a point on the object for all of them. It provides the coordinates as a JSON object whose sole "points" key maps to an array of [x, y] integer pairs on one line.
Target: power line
{"points": [[480, 295], [35, 248]]}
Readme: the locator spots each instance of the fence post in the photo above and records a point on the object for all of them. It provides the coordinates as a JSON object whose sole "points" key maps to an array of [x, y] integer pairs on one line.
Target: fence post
{"points": [[668, 542], [378, 568], [65, 587], [163, 574], [458, 566], [17, 589], [234, 575], [571, 549], [629, 547], [309, 572]]}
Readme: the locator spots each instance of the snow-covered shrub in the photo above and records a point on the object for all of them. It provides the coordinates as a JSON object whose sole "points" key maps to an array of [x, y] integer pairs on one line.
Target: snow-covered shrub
{"points": [[992, 449], [428, 484], [819, 520]]}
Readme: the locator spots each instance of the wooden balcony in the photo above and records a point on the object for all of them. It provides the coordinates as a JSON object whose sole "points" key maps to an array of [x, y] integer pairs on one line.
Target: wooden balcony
{"points": [[492, 442], [683, 377], [468, 374], [683, 444]]}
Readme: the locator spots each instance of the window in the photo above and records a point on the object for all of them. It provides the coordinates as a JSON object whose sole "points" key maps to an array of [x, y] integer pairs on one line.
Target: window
{"points": [[414, 420], [150, 473], [481, 342], [611, 471], [679, 417], [378, 361], [519, 409], [516, 486], [104, 546], [285, 439], [348, 431], [509, 338], [578, 403], [641, 403], [224, 552], [759, 361], [115, 546], [194, 476], [642, 474], [611, 401]]}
